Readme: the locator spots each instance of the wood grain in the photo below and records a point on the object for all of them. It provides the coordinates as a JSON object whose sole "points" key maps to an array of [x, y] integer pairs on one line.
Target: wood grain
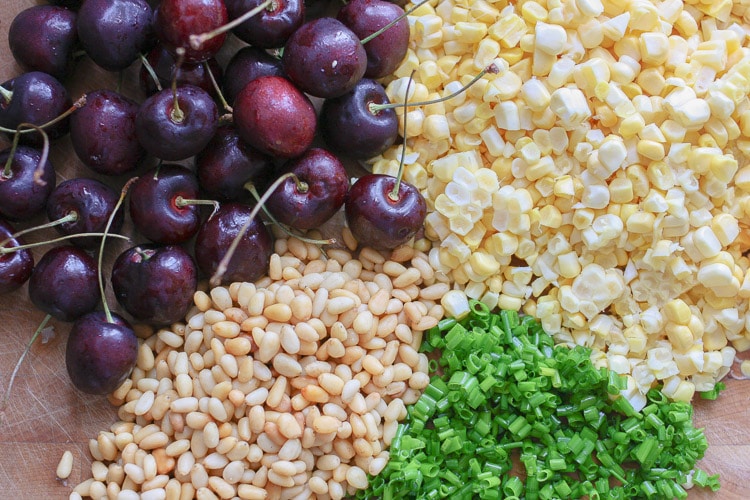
{"points": [[46, 415]]}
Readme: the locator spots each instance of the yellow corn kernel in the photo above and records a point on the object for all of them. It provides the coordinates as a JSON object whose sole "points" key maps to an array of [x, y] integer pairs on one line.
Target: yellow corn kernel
{"points": [[508, 30], [650, 149], [616, 27], [637, 339], [679, 336], [484, 264], [436, 128], [430, 74], [643, 15], [652, 81], [550, 216], [470, 32], [631, 125], [678, 312], [684, 392], [640, 223], [533, 12], [564, 187], [508, 302]]}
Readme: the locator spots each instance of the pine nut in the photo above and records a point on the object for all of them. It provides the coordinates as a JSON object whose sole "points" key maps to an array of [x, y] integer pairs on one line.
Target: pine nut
{"points": [[65, 466]]}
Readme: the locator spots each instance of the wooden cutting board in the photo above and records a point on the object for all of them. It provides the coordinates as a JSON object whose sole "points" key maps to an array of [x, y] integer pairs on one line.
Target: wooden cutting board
{"points": [[46, 416]]}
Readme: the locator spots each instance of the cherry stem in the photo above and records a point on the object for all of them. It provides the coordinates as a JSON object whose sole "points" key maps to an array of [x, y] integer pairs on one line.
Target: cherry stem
{"points": [[224, 263], [196, 41], [152, 73], [28, 128], [376, 108], [72, 216], [218, 91], [393, 195], [7, 94], [387, 26], [330, 241], [177, 115], [124, 192], [184, 202], [40, 328], [5, 250]]}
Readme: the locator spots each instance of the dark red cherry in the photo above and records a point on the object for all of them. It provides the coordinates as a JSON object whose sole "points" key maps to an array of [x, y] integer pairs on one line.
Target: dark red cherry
{"points": [[250, 261], [227, 164], [246, 65], [177, 20], [25, 186], [36, 98], [174, 133], [386, 51], [375, 219], [100, 354], [114, 32], [64, 283], [42, 38], [160, 204], [319, 193], [165, 67], [155, 284], [103, 133], [351, 128], [275, 117], [324, 58], [16, 266], [272, 26], [91, 201]]}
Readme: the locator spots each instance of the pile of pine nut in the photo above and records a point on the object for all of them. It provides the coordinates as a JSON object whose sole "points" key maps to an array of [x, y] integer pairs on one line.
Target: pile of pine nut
{"points": [[291, 387]]}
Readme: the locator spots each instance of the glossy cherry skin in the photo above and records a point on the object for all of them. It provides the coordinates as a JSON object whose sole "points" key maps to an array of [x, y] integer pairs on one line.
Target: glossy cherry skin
{"points": [[275, 117], [227, 164], [324, 58], [173, 135], [100, 355], [103, 133], [114, 32], [154, 206], [176, 20], [246, 65], [15, 267], [350, 128], [42, 38], [378, 221], [250, 260], [22, 194], [386, 51], [155, 284], [92, 201], [165, 67], [37, 98], [325, 186], [271, 27], [64, 283]]}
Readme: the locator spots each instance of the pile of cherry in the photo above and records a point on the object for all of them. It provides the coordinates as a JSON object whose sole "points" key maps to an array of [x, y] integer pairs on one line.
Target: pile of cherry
{"points": [[250, 124]]}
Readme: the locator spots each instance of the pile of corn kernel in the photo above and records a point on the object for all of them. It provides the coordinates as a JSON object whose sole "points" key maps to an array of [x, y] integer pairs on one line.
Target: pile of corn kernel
{"points": [[599, 180]]}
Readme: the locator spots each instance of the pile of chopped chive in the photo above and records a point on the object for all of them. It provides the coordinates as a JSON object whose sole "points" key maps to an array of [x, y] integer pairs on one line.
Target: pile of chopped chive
{"points": [[507, 394]]}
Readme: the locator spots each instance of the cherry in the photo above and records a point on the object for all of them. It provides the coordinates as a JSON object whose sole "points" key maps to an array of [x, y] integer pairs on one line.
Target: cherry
{"points": [[63, 284], [246, 65], [42, 38], [26, 182], [217, 235], [15, 266], [101, 352], [380, 219], [275, 117], [350, 127], [166, 70], [103, 133], [177, 123], [317, 193], [114, 32], [226, 164], [177, 20], [324, 58], [386, 51], [102, 347], [272, 26], [171, 192], [36, 98], [84, 205], [155, 284]]}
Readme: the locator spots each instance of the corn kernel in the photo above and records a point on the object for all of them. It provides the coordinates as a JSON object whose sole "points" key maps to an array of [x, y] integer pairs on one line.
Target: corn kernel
{"points": [[640, 223]]}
